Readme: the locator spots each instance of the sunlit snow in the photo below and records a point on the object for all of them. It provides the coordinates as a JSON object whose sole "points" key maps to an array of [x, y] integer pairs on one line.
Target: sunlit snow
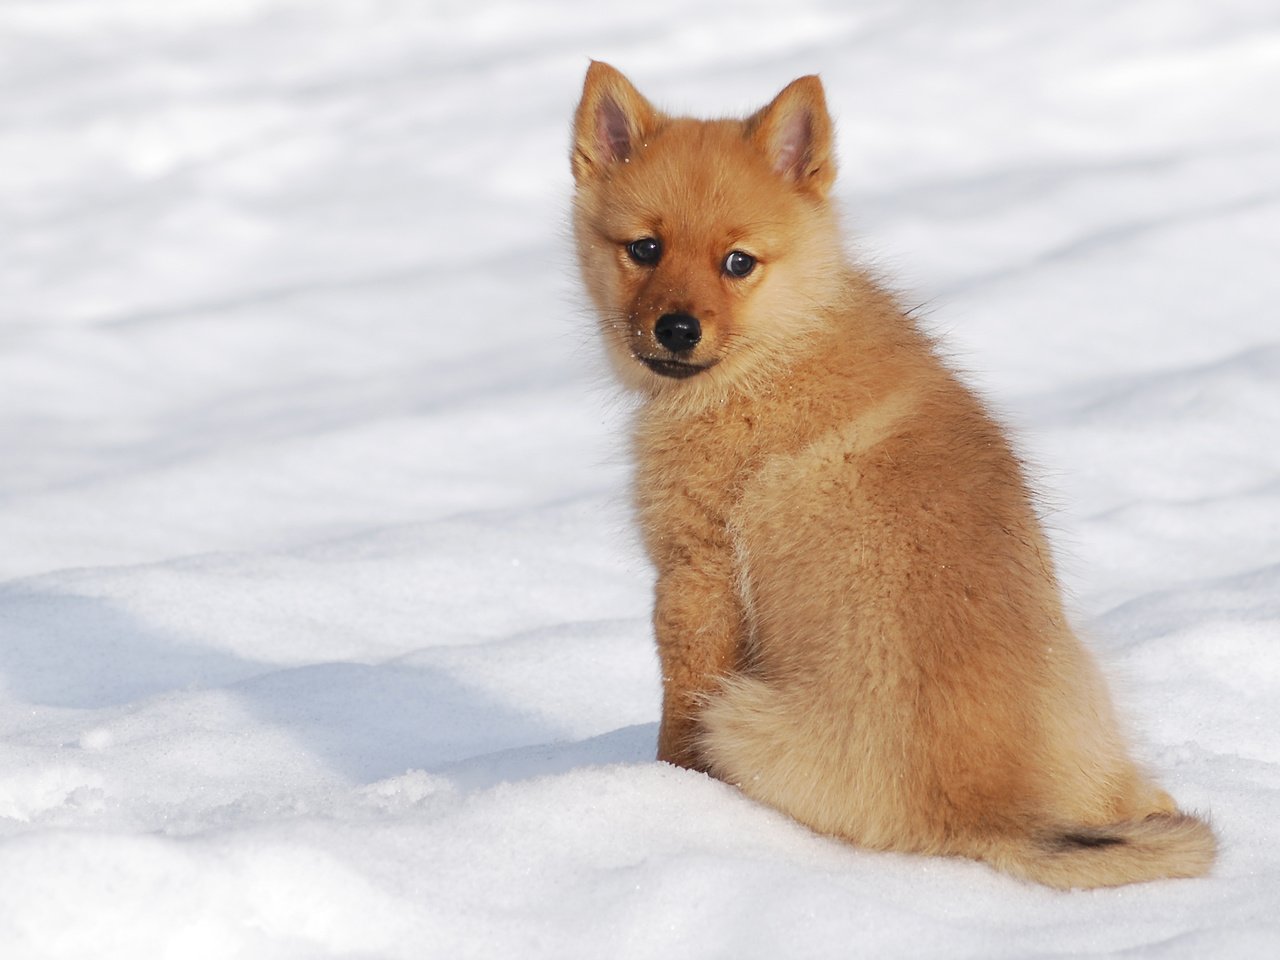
{"points": [[323, 629]]}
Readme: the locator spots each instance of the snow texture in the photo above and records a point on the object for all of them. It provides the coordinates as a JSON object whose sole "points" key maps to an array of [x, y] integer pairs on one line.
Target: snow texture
{"points": [[323, 629]]}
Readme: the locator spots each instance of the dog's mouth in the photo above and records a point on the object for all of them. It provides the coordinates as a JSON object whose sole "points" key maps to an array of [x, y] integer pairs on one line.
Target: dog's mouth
{"points": [[675, 369]]}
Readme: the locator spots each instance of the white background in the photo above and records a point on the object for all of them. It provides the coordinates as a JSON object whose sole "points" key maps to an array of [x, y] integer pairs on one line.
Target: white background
{"points": [[323, 631]]}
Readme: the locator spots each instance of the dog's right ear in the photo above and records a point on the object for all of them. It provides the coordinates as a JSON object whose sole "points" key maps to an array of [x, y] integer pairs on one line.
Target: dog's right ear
{"points": [[611, 123]]}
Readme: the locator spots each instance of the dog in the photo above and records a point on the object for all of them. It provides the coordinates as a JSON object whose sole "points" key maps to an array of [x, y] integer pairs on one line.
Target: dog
{"points": [[856, 612]]}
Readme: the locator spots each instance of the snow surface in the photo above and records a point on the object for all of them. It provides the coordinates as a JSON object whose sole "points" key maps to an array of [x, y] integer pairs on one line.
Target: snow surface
{"points": [[322, 628]]}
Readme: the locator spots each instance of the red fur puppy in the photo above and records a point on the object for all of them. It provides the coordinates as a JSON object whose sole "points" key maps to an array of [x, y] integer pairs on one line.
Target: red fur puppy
{"points": [[856, 613]]}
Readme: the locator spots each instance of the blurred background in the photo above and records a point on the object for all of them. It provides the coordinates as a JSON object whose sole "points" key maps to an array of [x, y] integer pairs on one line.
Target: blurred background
{"points": [[232, 226], [311, 473]]}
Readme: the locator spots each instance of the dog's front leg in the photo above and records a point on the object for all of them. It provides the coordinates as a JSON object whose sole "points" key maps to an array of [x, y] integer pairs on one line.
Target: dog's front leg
{"points": [[698, 625]]}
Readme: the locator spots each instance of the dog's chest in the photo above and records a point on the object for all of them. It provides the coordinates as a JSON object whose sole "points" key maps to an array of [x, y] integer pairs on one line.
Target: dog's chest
{"points": [[691, 473]]}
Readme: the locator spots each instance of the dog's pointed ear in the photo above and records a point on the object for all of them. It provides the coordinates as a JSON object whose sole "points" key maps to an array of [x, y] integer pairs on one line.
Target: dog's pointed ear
{"points": [[795, 133], [611, 123]]}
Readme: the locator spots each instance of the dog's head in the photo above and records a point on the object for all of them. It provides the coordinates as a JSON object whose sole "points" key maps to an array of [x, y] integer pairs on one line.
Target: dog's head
{"points": [[708, 247]]}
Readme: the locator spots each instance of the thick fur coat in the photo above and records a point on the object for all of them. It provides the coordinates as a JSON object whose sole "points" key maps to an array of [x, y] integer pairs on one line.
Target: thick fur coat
{"points": [[856, 612]]}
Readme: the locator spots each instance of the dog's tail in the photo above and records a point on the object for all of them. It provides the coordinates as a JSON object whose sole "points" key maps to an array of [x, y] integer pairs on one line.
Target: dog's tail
{"points": [[1161, 846], [779, 750]]}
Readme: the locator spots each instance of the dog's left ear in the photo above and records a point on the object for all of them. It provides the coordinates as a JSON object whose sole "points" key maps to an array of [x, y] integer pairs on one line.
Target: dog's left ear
{"points": [[795, 133], [611, 122]]}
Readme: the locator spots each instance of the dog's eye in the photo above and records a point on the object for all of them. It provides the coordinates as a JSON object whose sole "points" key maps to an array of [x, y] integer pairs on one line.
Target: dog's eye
{"points": [[739, 264], [646, 251]]}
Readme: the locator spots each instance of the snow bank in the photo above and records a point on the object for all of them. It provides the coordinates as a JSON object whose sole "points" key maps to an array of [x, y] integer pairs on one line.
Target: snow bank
{"points": [[322, 628]]}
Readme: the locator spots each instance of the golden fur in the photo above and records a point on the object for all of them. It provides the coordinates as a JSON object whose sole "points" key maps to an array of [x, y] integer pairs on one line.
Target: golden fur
{"points": [[856, 612]]}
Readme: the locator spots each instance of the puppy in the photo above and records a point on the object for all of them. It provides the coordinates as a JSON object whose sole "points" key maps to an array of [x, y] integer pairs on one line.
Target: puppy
{"points": [[856, 612]]}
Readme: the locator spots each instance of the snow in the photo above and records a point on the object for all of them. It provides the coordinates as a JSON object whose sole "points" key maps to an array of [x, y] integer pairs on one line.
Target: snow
{"points": [[323, 631]]}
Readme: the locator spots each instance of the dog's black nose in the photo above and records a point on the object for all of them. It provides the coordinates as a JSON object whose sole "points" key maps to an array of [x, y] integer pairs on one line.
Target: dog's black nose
{"points": [[678, 332]]}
